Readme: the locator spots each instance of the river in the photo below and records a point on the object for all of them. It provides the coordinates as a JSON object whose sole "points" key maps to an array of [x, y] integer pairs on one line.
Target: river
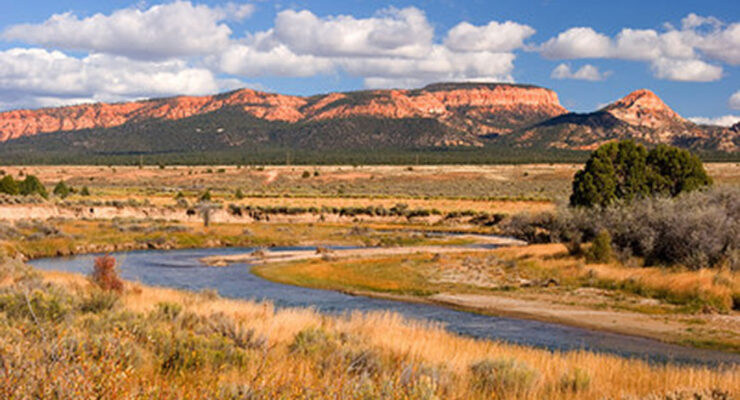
{"points": [[182, 269]]}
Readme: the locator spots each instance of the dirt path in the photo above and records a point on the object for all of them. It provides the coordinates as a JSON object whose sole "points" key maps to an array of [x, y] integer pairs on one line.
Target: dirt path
{"points": [[271, 176]]}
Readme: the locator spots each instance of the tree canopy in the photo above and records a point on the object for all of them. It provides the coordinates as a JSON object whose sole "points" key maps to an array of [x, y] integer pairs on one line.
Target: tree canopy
{"points": [[8, 185], [626, 170], [62, 190], [32, 185]]}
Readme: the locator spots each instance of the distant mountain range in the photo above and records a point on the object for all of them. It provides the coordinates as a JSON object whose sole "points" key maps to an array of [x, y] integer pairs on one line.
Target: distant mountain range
{"points": [[438, 116]]}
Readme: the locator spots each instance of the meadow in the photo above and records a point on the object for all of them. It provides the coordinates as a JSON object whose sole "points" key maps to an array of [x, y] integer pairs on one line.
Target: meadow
{"points": [[64, 336]]}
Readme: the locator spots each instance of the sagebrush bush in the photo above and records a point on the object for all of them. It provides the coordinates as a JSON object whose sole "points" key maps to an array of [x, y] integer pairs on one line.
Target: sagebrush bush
{"points": [[99, 301], [505, 378], [40, 305], [311, 341], [242, 337], [532, 228], [698, 229]]}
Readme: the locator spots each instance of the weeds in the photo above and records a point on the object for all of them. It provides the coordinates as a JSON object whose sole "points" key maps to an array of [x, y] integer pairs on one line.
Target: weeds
{"points": [[575, 381]]}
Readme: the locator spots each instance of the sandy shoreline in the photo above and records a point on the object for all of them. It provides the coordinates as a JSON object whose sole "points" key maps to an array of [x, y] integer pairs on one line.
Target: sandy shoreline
{"points": [[657, 327], [267, 256]]}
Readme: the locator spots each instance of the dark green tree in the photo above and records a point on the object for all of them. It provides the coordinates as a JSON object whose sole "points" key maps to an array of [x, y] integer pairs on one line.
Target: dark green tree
{"points": [[32, 185], [61, 189], [626, 170], [9, 185], [614, 171], [674, 170], [84, 191]]}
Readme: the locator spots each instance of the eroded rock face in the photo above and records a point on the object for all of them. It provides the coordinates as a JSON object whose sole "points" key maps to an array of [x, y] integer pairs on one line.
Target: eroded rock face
{"points": [[641, 115], [643, 108], [441, 115], [488, 108]]}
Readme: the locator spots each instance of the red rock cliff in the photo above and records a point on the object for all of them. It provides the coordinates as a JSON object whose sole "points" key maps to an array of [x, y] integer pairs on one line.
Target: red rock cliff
{"points": [[457, 105]]}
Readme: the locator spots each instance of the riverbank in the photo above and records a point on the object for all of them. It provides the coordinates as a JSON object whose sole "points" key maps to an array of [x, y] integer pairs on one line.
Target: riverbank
{"points": [[63, 237], [167, 343], [536, 282], [265, 256]]}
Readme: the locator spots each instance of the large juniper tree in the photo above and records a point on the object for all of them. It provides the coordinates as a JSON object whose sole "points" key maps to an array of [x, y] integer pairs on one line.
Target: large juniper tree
{"points": [[626, 170]]}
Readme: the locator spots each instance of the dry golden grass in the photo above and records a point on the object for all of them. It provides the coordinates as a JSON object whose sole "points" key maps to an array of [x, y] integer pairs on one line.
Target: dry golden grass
{"points": [[678, 306], [427, 344], [717, 287]]}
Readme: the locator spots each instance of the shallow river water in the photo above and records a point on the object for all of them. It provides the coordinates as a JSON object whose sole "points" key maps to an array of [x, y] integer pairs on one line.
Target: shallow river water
{"points": [[182, 269]]}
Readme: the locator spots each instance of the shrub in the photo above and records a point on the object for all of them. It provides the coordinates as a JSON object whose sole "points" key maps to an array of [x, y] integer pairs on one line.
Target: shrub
{"points": [[84, 191], [242, 337], [363, 362], [206, 196], [532, 228], [305, 175], [239, 194], [627, 171], [168, 310], [32, 185], [601, 249], [506, 378], [9, 185], [311, 341], [99, 300], [698, 229], [61, 190], [105, 274], [50, 304], [235, 210]]}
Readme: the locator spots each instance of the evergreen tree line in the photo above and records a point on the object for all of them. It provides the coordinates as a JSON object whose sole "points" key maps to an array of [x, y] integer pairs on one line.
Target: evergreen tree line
{"points": [[31, 185]]}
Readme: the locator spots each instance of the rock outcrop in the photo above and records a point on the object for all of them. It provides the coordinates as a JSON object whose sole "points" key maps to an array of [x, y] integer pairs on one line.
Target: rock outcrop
{"points": [[641, 115], [438, 115], [484, 108]]}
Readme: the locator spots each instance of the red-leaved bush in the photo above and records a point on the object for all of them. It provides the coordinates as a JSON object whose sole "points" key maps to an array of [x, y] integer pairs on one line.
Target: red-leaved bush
{"points": [[105, 274]]}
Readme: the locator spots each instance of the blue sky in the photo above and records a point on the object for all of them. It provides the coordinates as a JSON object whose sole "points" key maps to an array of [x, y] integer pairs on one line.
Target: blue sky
{"points": [[589, 52]]}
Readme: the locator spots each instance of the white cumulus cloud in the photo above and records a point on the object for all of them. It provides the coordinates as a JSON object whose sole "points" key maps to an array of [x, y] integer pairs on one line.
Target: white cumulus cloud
{"points": [[691, 53], [495, 37], [277, 60], [38, 77], [392, 32], [725, 120], [579, 42], [587, 72], [441, 64], [734, 101], [162, 31], [686, 70]]}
